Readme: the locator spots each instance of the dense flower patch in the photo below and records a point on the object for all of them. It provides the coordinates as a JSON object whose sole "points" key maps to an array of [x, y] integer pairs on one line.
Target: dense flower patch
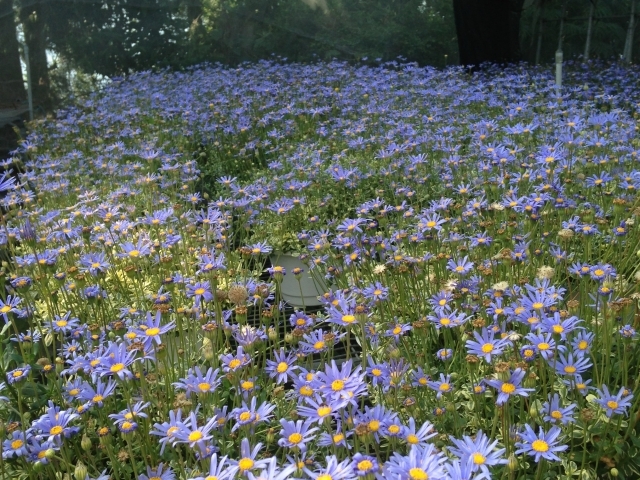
{"points": [[477, 236]]}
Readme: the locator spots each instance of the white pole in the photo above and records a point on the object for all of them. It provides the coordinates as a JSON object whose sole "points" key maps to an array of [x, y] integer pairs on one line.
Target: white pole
{"points": [[558, 72], [29, 94]]}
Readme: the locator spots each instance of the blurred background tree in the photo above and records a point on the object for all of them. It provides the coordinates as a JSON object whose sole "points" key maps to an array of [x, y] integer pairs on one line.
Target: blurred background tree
{"points": [[75, 45]]}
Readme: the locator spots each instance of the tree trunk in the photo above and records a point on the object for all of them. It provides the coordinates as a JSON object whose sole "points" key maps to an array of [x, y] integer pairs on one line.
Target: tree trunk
{"points": [[628, 44], [488, 30], [12, 90], [539, 46], [33, 24], [194, 13], [587, 45]]}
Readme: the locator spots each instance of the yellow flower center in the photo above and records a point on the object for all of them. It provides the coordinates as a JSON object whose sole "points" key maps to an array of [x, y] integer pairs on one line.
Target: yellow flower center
{"points": [[152, 332], [558, 329], [418, 474], [282, 367], [5, 309], [134, 253], [245, 464], [394, 429], [583, 345], [412, 439], [17, 373], [374, 425], [337, 385], [295, 438], [61, 323], [235, 363], [245, 416], [319, 345], [204, 386], [57, 430], [556, 414], [508, 388], [199, 291], [543, 346], [97, 398], [323, 411], [612, 404], [337, 438], [348, 318], [324, 476], [487, 348], [195, 436], [247, 385], [126, 426], [117, 367], [397, 330], [365, 465], [445, 321], [569, 369], [540, 446], [478, 458], [376, 372], [16, 444], [444, 387], [306, 391]]}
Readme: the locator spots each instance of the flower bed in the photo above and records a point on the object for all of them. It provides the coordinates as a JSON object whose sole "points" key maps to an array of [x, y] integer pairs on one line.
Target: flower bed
{"points": [[476, 235]]}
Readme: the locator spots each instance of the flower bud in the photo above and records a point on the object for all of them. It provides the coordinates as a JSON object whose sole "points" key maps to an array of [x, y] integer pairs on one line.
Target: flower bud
{"points": [[80, 472], [207, 353], [49, 453], [512, 463], [288, 338], [38, 466], [530, 380], [394, 353], [534, 413], [614, 472], [271, 436], [85, 443], [273, 334]]}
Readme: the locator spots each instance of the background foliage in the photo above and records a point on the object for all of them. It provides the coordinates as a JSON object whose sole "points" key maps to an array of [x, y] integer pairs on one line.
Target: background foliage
{"points": [[115, 37]]}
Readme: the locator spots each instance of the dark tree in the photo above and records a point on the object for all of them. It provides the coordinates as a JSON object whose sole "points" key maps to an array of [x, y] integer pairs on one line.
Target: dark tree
{"points": [[11, 82], [488, 30], [114, 37], [35, 36]]}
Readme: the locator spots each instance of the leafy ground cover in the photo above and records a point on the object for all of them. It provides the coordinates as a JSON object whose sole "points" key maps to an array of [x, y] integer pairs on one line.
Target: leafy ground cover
{"points": [[478, 235]]}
